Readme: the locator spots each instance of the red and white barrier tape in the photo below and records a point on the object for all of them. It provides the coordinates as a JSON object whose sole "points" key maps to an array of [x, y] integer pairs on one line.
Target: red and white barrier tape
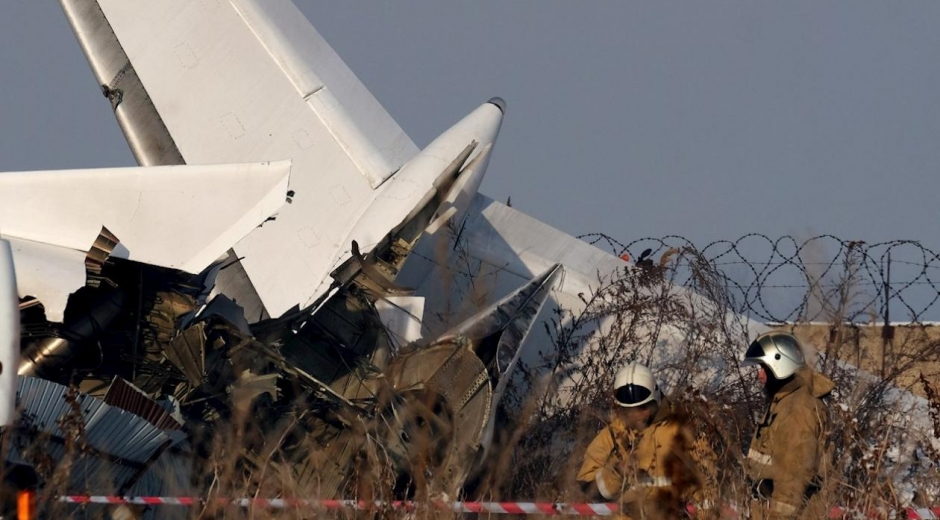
{"points": [[512, 508]]}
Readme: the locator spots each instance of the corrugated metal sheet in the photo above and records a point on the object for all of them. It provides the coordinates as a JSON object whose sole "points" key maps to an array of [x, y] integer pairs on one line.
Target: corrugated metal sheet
{"points": [[131, 399], [120, 448]]}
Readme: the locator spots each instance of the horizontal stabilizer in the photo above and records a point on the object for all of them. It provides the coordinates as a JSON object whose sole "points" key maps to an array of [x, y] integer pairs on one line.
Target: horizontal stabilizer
{"points": [[180, 217]]}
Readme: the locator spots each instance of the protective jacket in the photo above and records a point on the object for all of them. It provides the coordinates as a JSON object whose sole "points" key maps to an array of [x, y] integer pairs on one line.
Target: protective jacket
{"points": [[649, 471], [789, 454]]}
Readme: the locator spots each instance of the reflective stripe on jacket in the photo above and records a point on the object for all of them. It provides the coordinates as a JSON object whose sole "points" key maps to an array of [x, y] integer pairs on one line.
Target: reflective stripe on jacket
{"points": [[790, 445]]}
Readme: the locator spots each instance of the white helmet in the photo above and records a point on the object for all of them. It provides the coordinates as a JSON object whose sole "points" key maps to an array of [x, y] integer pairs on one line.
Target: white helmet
{"points": [[636, 386], [780, 352]]}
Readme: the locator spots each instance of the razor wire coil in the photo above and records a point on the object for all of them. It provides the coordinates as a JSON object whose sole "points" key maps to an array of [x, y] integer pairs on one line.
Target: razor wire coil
{"points": [[791, 279]]}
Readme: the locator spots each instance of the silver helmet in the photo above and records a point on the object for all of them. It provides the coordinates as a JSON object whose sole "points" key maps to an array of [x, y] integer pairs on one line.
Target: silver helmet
{"points": [[635, 385], [779, 352]]}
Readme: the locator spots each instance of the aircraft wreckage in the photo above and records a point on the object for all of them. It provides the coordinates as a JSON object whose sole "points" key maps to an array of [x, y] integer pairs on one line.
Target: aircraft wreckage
{"points": [[251, 267], [178, 355], [193, 364]]}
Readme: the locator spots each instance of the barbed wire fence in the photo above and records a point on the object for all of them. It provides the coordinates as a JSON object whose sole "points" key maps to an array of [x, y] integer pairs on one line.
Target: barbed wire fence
{"points": [[883, 386], [790, 279]]}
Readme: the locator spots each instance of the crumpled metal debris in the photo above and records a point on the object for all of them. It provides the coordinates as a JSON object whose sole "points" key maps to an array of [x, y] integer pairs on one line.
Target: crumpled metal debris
{"points": [[249, 386], [330, 378]]}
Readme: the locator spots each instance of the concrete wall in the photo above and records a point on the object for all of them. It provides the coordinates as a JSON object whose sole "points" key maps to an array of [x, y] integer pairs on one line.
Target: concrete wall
{"points": [[908, 350]]}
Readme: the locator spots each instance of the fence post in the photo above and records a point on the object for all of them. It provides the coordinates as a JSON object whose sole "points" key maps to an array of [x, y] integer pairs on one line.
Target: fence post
{"points": [[887, 331]]}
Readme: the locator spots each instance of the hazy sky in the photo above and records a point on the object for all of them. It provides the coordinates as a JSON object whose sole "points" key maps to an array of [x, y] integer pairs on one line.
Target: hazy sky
{"points": [[704, 119]]}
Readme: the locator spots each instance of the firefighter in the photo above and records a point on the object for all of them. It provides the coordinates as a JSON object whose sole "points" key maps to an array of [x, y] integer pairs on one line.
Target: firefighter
{"points": [[640, 459], [788, 456]]}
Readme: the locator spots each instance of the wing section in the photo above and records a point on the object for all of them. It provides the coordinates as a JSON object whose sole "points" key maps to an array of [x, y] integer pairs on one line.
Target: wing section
{"points": [[359, 124], [368, 134], [147, 136], [181, 217], [249, 81]]}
